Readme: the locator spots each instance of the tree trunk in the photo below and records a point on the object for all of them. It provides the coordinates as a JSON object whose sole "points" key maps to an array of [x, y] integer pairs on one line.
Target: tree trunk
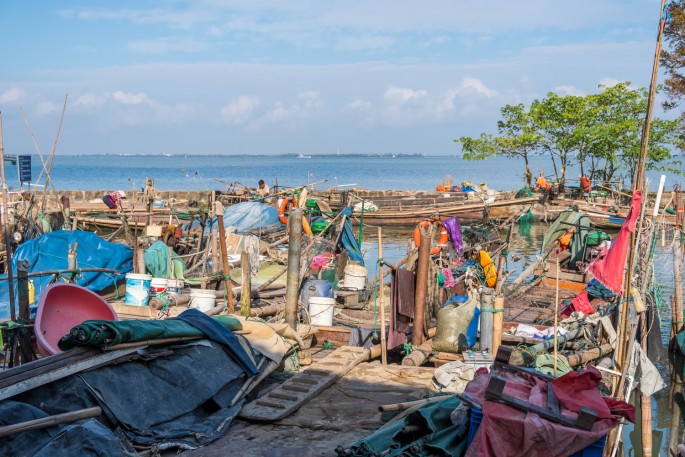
{"points": [[529, 175]]}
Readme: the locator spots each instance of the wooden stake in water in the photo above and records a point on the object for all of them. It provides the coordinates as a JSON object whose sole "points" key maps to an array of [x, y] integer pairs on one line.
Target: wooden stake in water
{"points": [[384, 348], [556, 318]]}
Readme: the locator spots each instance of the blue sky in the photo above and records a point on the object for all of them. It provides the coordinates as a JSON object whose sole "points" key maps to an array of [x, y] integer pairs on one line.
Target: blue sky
{"points": [[271, 77]]}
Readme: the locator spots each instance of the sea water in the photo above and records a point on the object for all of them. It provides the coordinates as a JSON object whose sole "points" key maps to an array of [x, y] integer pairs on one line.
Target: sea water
{"points": [[203, 172]]}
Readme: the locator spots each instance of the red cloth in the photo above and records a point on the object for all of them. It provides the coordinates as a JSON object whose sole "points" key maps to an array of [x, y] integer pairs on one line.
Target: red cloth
{"points": [[580, 303], [610, 265], [508, 431]]}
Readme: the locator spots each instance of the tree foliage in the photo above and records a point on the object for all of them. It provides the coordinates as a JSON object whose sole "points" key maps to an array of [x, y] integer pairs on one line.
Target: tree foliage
{"points": [[600, 132]]}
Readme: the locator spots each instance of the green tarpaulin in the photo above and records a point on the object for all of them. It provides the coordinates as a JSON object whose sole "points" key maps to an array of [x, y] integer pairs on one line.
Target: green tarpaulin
{"points": [[157, 262], [437, 436], [567, 220], [109, 333]]}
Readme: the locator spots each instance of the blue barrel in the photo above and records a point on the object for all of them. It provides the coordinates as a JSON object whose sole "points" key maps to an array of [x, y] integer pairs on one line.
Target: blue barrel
{"points": [[315, 288]]}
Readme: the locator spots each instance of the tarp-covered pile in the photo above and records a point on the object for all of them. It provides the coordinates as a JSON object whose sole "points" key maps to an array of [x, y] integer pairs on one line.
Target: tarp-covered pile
{"points": [[248, 216], [50, 251]]}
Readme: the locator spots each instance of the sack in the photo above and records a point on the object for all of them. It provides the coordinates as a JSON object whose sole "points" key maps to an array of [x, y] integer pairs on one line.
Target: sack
{"points": [[453, 324]]}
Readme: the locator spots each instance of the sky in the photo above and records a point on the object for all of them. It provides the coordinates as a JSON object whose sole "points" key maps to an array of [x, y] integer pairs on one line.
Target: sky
{"points": [[313, 77]]}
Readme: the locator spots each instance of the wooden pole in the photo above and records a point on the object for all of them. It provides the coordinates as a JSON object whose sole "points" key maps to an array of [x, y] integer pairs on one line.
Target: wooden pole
{"points": [[50, 421], [422, 272], [25, 346], [246, 284], [556, 317], [6, 227], [384, 346], [219, 209], [293, 278]]}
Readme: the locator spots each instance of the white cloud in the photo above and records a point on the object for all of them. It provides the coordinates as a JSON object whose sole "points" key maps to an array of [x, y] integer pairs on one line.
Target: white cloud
{"points": [[166, 45], [474, 85], [307, 105], [568, 90], [128, 98], [609, 82], [358, 105], [12, 94], [240, 111], [47, 107], [89, 101]]}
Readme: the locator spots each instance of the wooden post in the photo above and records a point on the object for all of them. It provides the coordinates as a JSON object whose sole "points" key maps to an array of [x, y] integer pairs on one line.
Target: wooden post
{"points": [[422, 272], [219, 209], [6, 227], [246, 284], [293, 279], [381, 286], [498, 316], [556, 317], [25, 345]]}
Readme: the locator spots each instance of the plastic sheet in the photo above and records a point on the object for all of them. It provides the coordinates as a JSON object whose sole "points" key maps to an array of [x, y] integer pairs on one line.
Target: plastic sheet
{"points": [[49, 252]]}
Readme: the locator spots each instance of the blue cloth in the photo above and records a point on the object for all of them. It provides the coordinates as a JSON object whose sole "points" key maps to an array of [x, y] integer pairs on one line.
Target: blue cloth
{"points": [[49, 252], [225, 337], [347, 240], [245, 216], [472, 331]]}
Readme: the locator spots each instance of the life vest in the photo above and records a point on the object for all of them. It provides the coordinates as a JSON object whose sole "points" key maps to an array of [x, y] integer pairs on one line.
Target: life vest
{"points": [[542, 183], [284, 219], [442, 242], [585, 184]]}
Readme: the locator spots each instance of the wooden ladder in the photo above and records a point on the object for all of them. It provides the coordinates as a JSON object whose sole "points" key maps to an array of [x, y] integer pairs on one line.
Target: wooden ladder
{"points": [[305, 385]]}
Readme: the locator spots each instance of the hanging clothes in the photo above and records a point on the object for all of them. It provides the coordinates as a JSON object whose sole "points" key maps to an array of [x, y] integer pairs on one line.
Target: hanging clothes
{"points": [[453, 228], [402, 289]]}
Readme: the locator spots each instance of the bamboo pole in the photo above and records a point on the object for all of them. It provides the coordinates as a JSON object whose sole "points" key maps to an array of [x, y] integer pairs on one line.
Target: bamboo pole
{"points": [[556, 317], [246, 284], [384, 346], [6, 226]]}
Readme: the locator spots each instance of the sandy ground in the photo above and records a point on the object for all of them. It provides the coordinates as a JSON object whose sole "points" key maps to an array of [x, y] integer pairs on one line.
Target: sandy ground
{"points": [[339, 416]]}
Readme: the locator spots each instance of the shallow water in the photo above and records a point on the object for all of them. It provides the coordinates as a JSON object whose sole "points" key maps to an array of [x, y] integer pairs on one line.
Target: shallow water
{"points": [[668, 430]]}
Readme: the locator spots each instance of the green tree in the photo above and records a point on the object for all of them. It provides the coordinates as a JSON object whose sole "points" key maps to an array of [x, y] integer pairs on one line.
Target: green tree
{"points": [[518, 138], [563, 124]]}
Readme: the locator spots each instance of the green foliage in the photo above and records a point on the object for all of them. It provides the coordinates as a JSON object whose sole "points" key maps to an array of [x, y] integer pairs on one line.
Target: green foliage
{"points": [[601, 132]]}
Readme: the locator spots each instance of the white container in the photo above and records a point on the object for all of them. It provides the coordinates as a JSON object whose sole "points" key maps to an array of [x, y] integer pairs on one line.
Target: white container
{"points": [[158, 286], [174, 286], [137, 289], [355, 277], [321, 310], [202, 299]]}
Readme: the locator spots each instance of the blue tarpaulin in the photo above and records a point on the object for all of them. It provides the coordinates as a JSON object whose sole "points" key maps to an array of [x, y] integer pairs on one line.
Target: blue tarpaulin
{"points": [[346, 238], [248, 216], [49, 252]]}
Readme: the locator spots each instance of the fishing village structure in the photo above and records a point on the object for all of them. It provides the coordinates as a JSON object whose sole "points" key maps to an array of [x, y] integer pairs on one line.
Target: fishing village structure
{"points": [[231, 322]]}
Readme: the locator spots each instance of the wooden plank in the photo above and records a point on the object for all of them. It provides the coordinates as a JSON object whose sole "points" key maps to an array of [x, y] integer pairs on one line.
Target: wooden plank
{"points": [[63, 372], [12, 375]]}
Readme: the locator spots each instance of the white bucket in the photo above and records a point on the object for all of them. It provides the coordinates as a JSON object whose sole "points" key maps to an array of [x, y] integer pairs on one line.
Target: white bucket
{"points": [[202, 299], [137, 289], [158, 286], [355, 277], [174, 286], [321, 310]]}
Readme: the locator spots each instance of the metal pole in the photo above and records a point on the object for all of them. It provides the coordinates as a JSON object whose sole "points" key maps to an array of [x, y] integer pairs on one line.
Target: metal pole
{"points": [[422, 272], [293, 278], [6, 226], [381, 287]]}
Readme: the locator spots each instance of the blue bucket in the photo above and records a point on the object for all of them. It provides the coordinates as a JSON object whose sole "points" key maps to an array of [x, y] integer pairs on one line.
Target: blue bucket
{"points": [[137, 289]]}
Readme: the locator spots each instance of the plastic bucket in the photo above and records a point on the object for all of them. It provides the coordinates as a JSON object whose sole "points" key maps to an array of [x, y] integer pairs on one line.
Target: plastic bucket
{"points": [[355, 277], [321, 310], [315, 288], [158, 286], [174, 286], [202, 299], [137, 289]]}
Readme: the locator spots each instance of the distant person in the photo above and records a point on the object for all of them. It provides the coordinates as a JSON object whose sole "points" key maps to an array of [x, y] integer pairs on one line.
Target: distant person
{"points": [[262, 189], [542, 184], [113, 199]]}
